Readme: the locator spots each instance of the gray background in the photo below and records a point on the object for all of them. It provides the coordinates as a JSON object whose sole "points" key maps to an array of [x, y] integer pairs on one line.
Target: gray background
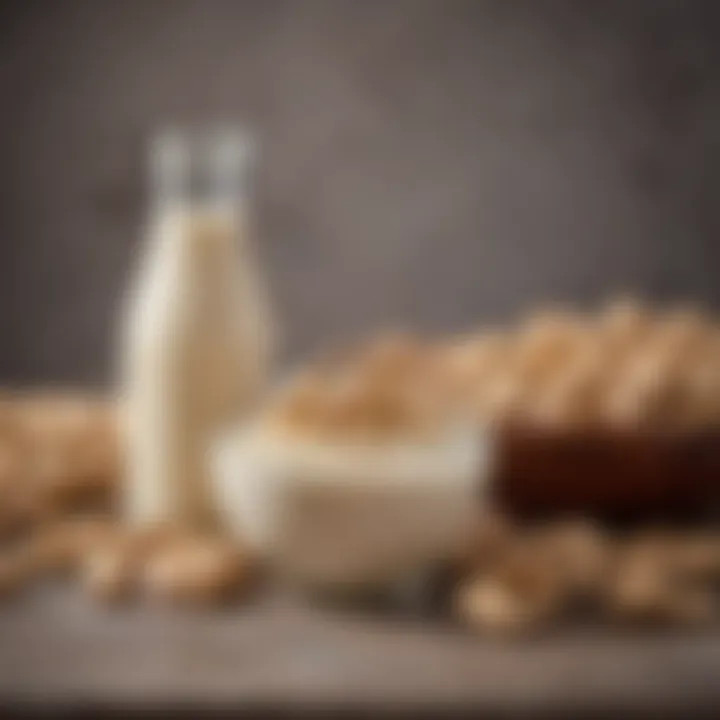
{"points": [[434, 162]]}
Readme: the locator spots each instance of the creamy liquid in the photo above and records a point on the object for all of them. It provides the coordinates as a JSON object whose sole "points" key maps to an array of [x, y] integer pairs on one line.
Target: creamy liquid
{"points": [[196, 350]]}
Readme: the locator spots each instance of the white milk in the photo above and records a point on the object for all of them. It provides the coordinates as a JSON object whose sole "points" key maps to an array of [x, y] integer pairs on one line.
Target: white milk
{"points": [[196, 339]]}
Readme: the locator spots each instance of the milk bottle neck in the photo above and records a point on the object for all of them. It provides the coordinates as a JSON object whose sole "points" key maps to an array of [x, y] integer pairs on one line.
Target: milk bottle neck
{"points": [[200, 173]]}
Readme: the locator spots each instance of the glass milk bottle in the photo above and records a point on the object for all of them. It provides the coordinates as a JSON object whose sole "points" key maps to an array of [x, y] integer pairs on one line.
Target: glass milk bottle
{"points": [[197, 332]]}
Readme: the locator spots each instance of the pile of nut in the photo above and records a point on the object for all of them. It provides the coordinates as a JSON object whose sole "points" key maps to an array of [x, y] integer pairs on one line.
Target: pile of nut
{"points": [[623, 368], [387, 388], [58, 453], [518, 580], [114, 564], [60, 465]]}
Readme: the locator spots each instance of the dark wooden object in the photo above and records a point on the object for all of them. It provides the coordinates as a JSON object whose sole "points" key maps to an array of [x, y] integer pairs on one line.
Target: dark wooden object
{"points": [[609, 475]]}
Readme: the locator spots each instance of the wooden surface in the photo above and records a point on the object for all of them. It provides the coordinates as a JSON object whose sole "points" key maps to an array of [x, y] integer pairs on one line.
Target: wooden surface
{"points": [[57, 649]]}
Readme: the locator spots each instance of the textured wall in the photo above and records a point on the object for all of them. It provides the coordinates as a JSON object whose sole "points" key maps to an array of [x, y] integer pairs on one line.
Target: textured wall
{"points": [[437, 162]]}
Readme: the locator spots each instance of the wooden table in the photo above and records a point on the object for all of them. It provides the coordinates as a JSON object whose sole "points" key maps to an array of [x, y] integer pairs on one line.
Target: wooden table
{"points": [[59, 650]]}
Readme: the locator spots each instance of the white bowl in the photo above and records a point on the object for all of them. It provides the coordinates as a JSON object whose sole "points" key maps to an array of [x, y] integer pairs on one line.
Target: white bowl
{"points": [[354, 514]]}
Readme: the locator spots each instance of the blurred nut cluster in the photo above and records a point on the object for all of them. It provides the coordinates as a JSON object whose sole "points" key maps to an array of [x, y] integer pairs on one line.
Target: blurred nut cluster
{"points": [[625, 367], [518, 579], [114, 564], [622, 368], [389, 387], [58, 453]]}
